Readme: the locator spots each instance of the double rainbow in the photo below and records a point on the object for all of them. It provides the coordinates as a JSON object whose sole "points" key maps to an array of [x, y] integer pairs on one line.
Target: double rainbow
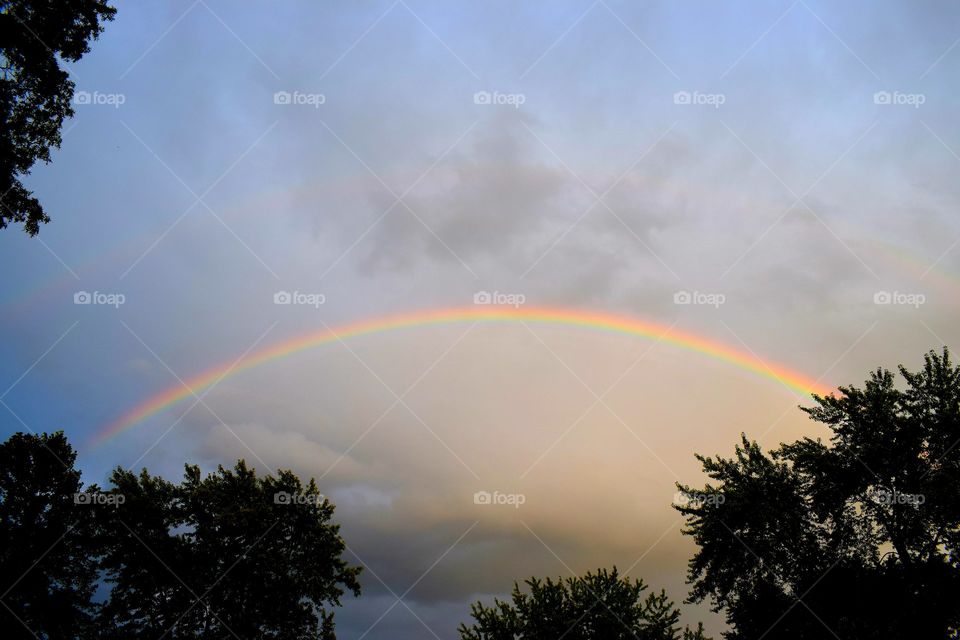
{"points": [[603, 322]]}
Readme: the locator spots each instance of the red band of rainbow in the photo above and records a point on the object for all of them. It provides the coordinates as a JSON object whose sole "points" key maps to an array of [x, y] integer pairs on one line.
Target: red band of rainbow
{"points": [[605, 322]]}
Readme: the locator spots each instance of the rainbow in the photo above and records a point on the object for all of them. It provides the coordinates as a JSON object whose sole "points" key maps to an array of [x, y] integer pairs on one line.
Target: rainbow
{"points": [[603, 322]]}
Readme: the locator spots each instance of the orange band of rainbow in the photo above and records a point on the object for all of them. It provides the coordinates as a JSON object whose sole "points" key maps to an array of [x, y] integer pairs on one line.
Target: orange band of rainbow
{"points": [[605, 322]]}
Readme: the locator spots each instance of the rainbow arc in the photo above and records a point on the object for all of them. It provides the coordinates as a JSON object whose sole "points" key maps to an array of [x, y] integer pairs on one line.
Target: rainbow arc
{"points": [[588, 320]]}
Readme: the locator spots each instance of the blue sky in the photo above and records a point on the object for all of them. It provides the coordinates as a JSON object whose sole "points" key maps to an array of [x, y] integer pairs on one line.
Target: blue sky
{"points": [[814, 168]]}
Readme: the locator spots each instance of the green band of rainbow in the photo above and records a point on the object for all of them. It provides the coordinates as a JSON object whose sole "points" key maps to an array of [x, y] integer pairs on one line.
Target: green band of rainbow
{"points": [[604, 322]]}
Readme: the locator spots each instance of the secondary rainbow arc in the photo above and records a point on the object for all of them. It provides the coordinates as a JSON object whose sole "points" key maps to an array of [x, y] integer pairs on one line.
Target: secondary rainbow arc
{"points": [[605, 322]]}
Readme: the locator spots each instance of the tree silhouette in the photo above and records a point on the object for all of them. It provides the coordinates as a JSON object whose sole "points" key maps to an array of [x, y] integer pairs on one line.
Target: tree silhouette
{"points": [[597, 606], [47, 544], [226, 555], [35, 92], [858, 538]]}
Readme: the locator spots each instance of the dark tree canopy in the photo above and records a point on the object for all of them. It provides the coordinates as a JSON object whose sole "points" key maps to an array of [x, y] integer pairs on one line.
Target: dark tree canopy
{"points": [[598, 606], [858, 537], [226, 555], [35, 92], [48, 555]]}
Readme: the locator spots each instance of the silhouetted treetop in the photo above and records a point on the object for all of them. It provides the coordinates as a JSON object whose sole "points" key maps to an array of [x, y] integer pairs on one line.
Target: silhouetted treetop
{"points": [[35, 92], [48, 542], [859, 536], [597, 606]]}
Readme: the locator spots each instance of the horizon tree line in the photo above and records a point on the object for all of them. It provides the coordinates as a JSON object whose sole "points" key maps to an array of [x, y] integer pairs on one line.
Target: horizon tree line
{"points": [[856, 538]]}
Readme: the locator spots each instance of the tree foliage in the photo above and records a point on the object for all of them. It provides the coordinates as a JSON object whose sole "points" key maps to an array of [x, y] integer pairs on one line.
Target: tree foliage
{"points": [[47, 544], [858, 537], [598, 606], [35, 92], [229, 554]]}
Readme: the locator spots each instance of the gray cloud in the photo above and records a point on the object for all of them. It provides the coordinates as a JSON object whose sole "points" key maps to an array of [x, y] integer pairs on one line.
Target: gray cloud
{"points": [[295, 213]]}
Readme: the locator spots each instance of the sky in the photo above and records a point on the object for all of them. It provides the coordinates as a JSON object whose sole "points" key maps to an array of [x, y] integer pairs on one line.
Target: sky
{"points": [[777, 178]]}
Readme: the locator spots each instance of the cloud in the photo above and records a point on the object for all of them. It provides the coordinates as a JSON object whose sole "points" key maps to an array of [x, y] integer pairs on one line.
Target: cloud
{"points": [[699, 211]]}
